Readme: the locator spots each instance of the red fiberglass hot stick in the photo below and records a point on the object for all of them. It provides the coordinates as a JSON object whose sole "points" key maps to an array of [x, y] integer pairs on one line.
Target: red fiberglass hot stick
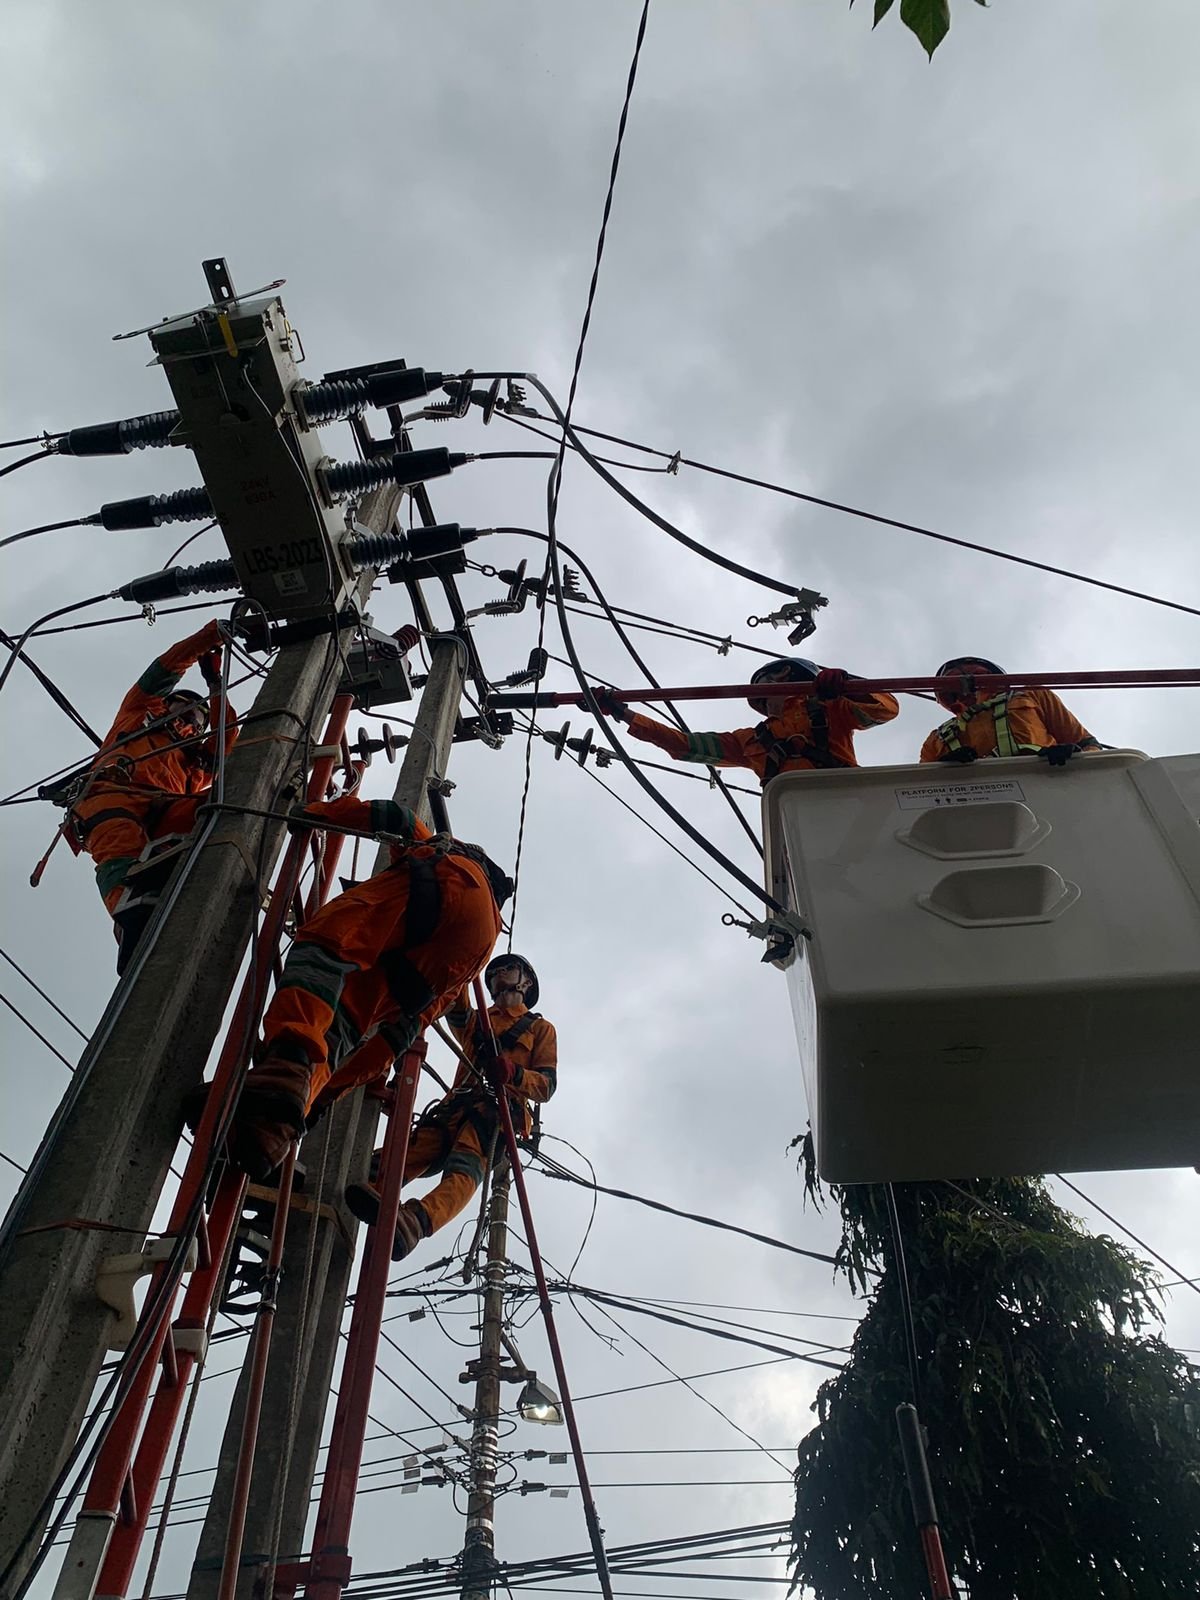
{"points": [[1150, 677]]}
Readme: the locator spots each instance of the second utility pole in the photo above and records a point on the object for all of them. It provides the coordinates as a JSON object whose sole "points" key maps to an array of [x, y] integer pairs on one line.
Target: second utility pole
{"points": [[478, 1555]]}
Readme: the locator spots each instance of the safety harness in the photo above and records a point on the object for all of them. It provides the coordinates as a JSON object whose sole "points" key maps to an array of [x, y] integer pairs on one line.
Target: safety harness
{"points": [[469, 1104], [795, 747], [950, 733], [406, 983]]}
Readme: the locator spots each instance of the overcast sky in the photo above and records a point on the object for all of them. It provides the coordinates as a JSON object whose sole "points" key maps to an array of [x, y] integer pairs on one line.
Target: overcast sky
{"points": [[960, 294]]}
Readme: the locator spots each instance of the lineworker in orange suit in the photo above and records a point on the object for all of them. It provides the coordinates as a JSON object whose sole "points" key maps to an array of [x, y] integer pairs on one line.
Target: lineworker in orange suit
{"points": [[1013, 722], [148, 776], [811, 730], [369, 969], [456, 1136]]}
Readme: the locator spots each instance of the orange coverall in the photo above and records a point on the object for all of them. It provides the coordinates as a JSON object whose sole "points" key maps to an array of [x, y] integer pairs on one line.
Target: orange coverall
{"points": [[147, 787], [803, 732], [377, 963], [1013, 723], [454, 1136]]}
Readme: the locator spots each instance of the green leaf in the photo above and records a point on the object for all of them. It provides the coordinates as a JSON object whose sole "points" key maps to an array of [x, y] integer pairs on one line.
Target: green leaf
{"points": [[928, 19], [882, 7]]}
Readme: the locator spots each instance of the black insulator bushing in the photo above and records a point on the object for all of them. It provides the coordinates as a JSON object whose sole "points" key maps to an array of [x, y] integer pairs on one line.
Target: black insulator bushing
{"points": [[207, 577], [370, 549], [150, 432], [338, 397], [406, 466], [152, 510]]}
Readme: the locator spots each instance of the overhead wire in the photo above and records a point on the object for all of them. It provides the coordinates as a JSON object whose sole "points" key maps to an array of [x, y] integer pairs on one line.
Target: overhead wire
{"points": [[37, 988], [555, 481], [555, 545], [21, 1017], [1192, 1283], [38, 455], [45, 527], [670, 843], [853, 511], [660, 799]]}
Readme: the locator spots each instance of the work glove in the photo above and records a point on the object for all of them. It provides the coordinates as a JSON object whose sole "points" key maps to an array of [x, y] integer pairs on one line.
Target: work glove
{"points": [[1057, 755], [502, 1073], [299, 822], [210, 670], [407, 638], [831, 683], [960, 757], [609, 704]]}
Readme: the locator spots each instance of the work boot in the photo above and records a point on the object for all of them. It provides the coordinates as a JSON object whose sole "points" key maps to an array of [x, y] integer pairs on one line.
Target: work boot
{"points": [[130, 926], [269, 1115], [412, 1222]]}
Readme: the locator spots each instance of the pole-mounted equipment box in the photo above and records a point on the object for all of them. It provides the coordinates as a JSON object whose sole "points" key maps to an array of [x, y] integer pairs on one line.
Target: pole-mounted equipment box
{"points": [[1004, 971], [233, 373]]}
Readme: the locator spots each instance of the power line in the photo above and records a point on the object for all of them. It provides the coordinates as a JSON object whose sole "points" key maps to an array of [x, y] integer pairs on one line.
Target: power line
{"points": [[868, 516], [45, 527], [670, 843], [553, 547], [1192, 1283], [554, 1169], [39, 990], [13, 1163], [555, 481], [21, 1017], [55, 693], [38, 455]]}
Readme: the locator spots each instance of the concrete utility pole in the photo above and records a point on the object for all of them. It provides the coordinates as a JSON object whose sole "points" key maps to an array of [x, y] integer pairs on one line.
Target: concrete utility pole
{"points": [[308, 1321], [105, 1157], [478, 1554]]}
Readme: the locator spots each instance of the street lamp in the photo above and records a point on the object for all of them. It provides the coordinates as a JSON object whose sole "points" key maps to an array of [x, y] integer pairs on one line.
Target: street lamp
{"points": [[539, 1403]]}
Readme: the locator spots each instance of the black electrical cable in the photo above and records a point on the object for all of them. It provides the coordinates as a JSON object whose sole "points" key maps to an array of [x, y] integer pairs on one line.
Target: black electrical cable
{"points": [[669, 528], [703, 1398], [40, 455], [46, 527], [13, 1163], [34, 438], [36, 987], [670, 843], [910, 1327], [37, 1033], [55, 693], [191, 539], [555, 482], [34, 627], [1192, 1283], [554, 1169], [532, 533], [716, 1333], [870, 516]]}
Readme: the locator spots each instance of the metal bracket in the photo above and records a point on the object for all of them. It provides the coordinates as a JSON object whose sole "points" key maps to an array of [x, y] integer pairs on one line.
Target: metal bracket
{"points": [[798, 612], [781, 930], [116, 1276]]}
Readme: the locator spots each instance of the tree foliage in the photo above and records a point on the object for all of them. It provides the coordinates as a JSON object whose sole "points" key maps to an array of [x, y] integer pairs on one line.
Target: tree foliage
{"points": [[928, 19], [1064, 1434]]}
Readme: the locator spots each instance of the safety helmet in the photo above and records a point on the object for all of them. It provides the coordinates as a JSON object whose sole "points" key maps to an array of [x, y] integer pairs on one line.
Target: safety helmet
{"points": [[954, 663], [514, 960], [961, 661], [186, 697], [800, 670]]}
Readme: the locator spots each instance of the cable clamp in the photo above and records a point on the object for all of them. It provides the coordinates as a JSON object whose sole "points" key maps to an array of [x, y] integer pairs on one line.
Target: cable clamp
{"points": [[675, 463], [781, 930], [798, 613], [149, 614]]}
